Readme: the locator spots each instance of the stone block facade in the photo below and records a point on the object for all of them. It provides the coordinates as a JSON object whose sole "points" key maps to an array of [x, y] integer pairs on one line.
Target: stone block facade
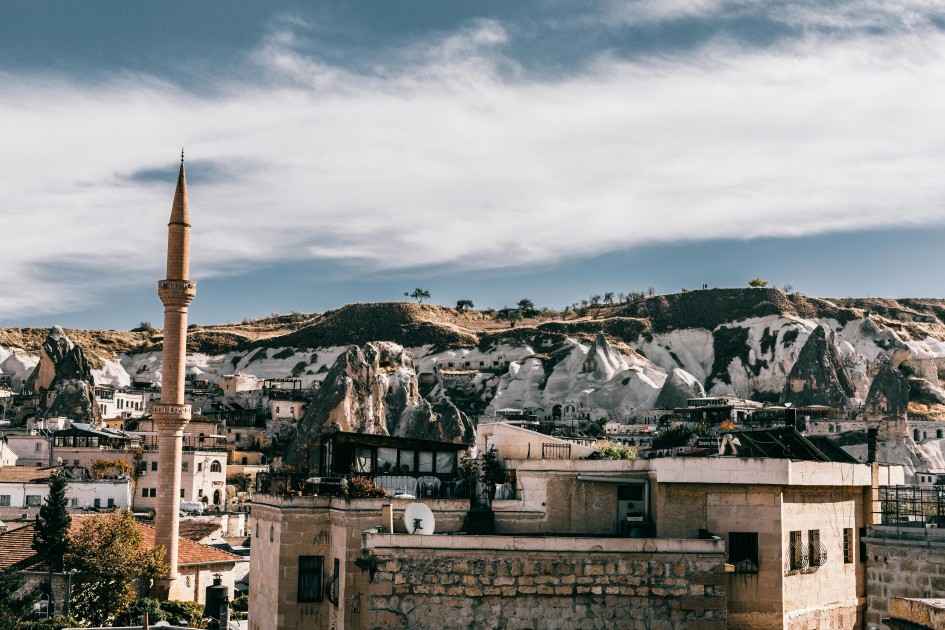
{"points": [[905, 562], [546, 583]]}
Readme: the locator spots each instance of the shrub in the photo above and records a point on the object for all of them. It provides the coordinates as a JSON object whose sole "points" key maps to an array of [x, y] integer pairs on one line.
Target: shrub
{"points": [[618, 451], [189, 613], [363, 487]]}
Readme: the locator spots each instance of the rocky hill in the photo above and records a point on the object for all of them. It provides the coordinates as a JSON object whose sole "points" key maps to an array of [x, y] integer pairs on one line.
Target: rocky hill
{"points": [[609, 360]]}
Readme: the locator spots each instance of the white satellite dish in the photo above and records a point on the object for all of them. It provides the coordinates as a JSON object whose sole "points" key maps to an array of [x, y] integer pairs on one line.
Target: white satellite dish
{"points": [[418, 519]]}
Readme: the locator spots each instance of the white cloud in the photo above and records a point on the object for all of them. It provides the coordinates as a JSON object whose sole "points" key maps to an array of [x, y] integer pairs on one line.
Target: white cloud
{"points": [[449, 155]]}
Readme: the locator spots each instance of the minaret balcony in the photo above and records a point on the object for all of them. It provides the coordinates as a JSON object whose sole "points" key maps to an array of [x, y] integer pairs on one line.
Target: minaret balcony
{"points": [[170, 416], [177, 292]]}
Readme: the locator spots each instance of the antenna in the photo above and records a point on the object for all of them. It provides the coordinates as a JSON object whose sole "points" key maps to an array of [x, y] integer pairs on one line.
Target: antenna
{"points": [[182, 155]]}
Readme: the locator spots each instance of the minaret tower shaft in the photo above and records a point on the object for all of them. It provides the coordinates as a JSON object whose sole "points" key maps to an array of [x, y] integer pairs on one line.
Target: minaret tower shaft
{"points": [[172, 415]]}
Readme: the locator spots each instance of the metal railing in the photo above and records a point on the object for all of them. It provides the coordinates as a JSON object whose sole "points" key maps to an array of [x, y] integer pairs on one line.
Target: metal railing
{"points": [[555, 451], [308, 484], [911, 506]]}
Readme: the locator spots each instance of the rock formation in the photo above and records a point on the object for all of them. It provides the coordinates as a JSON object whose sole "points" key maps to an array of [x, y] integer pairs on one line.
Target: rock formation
{"points": [[889, 394], [819, 376], [63, 378], [679, 387], [373, 389]]}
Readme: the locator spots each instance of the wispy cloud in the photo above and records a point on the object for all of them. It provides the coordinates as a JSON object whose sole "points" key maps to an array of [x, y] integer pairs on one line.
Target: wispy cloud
{"points": [[449, 154]]}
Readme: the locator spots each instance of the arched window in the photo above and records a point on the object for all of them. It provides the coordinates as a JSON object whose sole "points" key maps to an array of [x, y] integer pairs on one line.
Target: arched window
{"points": [[215, 466], [246, 461]]}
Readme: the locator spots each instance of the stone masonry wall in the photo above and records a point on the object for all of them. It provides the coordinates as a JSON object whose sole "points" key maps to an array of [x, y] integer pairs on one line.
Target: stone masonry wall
{"points": [[423, 588], [902, 567]]}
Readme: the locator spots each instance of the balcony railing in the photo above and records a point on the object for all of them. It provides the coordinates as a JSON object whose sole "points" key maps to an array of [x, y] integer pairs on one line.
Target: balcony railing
{"points": [[912, 506], [418, 486]]}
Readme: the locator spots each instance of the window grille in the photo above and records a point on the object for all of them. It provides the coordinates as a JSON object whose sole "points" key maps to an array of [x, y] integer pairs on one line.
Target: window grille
{"points": [[817, 553], [743, 551], [332, 590], [310, 579], [798, 552], [847, 545]]}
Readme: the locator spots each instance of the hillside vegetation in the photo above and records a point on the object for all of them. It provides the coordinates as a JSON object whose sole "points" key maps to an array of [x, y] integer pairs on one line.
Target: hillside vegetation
{"points": [[415, 325]]}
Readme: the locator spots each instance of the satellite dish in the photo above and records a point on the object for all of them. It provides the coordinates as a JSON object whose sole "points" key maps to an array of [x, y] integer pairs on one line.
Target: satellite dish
{"points": [[418, 519]]}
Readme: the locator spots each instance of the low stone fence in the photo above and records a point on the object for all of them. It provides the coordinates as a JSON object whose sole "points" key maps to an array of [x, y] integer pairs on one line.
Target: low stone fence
{"points": [[516, 582]]}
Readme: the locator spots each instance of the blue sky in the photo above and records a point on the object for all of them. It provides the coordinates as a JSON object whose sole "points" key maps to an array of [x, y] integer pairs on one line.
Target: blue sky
{"points": [[351, 151]]}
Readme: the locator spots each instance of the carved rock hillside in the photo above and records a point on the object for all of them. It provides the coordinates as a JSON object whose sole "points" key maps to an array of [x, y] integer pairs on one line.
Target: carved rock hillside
{"points": [[819, 377], [373, 389], [63, 378]]}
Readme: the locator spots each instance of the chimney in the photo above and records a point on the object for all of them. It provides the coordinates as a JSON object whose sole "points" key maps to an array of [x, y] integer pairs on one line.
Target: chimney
{"points": [[872, 438], [790, 418]]}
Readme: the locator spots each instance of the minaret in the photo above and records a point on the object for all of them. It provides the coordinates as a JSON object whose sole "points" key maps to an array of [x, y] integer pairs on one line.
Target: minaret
{"points": [[172, 415]]}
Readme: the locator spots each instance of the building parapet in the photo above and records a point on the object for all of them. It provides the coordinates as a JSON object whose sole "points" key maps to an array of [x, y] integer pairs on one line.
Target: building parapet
{"points": [[552, 543]]}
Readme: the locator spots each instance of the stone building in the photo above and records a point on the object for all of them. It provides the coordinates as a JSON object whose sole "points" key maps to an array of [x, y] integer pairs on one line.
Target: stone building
{"points": [[598, 540]]}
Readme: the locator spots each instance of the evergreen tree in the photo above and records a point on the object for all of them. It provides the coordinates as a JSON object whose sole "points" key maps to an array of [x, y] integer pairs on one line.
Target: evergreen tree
{"points": [[52, 528], [13, 608]]}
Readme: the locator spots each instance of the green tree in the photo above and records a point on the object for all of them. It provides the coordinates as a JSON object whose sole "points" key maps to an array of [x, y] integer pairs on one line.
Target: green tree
{"points": [[188, 613], [14, 607], [419, 295], [757, 283], [608, 297], [618, 451], [52, 528], [463, 305], [107, 552], [526, 306], [676, 435], [595, 299], [56, 622], [240, 481], [491, 472]]}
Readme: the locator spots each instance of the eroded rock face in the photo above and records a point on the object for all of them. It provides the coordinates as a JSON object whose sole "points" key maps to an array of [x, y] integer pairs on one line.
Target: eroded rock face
{"points": [[679, 387], [889, 393], [819, 376], [63, 377], [373, 389]]}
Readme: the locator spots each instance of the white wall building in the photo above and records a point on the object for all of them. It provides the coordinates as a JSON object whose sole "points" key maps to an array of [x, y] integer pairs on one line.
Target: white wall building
{"points": [[24, 487], [203, 474]]}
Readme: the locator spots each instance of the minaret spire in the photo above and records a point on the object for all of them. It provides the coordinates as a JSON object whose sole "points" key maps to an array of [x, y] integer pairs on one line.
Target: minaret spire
{"points": [[171, 415]]}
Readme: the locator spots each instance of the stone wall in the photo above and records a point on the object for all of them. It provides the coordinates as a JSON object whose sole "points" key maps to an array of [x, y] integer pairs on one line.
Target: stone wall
{"points": [[902, 562], [542, 583]]}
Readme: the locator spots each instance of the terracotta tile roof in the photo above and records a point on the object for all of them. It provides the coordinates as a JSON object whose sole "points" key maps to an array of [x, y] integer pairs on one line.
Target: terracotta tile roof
{"points": [[190, 552], [26, 474], [16, 548], [197, 530]]}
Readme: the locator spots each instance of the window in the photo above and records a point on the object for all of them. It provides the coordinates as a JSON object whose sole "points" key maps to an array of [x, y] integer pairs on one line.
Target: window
{"points": [[152, 492], [111, 502], [743, 551], [257, 530], [817, 555], [39, 447], [199, 492], [862, 544], [847, 545], [184, 466], [199, 466], [154, 465], [73, 502], [97, 503], [239, 437], [181, 493], [797, 552], [144, 492], [215, 466], [33, 499], [310, 578], [5, 499]]}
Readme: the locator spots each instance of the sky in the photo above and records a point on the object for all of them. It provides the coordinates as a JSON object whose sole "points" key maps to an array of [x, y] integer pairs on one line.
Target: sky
{"points": [[342, 152]]}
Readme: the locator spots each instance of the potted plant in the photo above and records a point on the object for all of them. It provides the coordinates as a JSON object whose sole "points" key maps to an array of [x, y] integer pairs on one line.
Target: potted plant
{"points": [[492, 473]]}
